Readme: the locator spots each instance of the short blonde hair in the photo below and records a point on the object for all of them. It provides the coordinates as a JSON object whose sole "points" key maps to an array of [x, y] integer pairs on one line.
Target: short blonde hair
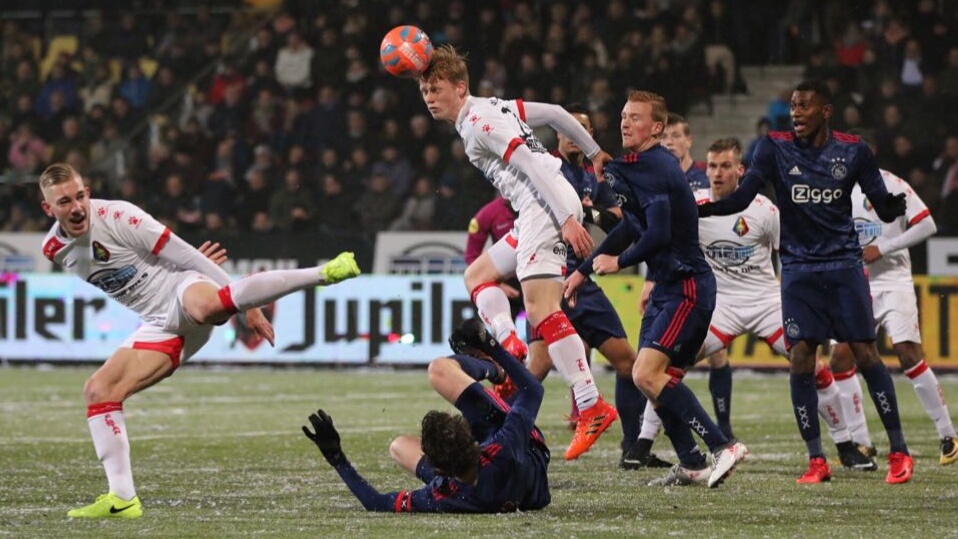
{"points": [[660, 112], [57, 173], [446, 64]]}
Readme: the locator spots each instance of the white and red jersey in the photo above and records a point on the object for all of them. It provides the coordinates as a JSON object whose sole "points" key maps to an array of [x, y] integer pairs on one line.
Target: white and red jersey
{"points": [[739, 249], [893, 270], [491, 130], [118, 255]]}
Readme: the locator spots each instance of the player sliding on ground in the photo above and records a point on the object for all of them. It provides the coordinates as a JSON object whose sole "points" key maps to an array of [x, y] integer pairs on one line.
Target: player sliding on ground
{"points": [[490, 459], [179, 294]]}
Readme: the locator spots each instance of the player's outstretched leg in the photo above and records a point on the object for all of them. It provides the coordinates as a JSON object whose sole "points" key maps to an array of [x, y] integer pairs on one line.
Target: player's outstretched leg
{"points": [[340, 268], [264, 288]]}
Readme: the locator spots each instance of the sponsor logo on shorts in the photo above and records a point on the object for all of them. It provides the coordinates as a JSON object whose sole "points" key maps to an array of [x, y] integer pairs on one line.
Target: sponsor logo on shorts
{"points": [[560, 249]]}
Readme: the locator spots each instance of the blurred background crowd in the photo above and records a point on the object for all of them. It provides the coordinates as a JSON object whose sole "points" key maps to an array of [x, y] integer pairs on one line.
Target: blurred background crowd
{"points": [[254, 116]]}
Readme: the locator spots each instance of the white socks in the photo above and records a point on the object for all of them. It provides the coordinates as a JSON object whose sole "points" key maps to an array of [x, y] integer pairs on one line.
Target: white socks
{"points": [[112, 446]]}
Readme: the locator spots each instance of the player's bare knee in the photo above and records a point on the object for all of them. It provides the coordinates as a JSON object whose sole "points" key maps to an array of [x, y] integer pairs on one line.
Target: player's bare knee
{"points": [[909, 354], [841, 359], [865, 353], [438, 370], [479, 272], [97, 390]]}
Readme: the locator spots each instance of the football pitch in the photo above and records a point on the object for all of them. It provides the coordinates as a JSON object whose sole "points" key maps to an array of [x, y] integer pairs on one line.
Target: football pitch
{"points": [[219, 453]]}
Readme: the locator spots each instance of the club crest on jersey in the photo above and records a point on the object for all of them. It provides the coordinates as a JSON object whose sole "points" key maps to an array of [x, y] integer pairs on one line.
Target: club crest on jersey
{"points": [[740, 227], [839, 170], [100, 253]]}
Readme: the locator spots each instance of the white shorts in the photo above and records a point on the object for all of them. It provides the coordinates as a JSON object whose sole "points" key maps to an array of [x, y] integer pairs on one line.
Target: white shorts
{"points": [[179, 337], [541, 251], [503, 254], [897, 312], [762, 318]]}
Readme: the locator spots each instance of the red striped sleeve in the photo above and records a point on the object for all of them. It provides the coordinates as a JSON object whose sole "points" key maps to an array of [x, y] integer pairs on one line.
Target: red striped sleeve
{"points": [[513, 144], [924, 213], [522, 109], [398, 505], [161, 243]]}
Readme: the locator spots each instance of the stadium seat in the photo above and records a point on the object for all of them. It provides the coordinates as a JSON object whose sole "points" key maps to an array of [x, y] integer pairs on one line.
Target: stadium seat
{"points": [[62, 44], [148, 66]]}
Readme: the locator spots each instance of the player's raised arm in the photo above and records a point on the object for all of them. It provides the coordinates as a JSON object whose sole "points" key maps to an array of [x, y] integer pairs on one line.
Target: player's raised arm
{"points": [[556, 117]]}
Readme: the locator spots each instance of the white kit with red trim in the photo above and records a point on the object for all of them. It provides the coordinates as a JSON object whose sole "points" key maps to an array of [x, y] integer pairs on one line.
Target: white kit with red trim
{"points": [[118, 255], [893, 270], [491, 130], [739, 249]]}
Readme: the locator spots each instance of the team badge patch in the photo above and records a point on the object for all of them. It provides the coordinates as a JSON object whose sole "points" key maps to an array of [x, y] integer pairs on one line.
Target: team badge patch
{"points": [[839, 171], [741, 227], [100, 253], [792, 329], [867, 204]]}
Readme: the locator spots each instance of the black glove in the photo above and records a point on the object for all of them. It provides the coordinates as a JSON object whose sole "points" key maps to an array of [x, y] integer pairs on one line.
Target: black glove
{"points": [[326, 438], [705, 210], [893, 208], [473, 334]]}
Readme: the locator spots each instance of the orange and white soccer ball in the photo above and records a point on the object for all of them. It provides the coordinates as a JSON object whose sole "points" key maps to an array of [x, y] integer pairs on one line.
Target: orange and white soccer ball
{"points": [[405, 51]]}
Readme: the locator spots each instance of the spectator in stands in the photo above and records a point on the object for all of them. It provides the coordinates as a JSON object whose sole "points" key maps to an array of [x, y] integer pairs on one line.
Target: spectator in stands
{"points": [[61, 81], [28, 152], [254, 198], [291, 207], [176, 208], [127, 41], [779, 112], [913, 67], [97, 89], [378, 205], [335, 206], [293, 63], [419, 208], [69, 139], [135, 87]]}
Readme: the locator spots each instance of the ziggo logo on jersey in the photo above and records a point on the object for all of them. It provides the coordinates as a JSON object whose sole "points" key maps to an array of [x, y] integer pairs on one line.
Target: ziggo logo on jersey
{"points": [[803, 194]]}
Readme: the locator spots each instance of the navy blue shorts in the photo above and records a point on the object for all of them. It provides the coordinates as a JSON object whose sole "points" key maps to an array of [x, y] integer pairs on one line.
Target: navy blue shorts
{"points": [[593, 317], [829, 304], [677, 318]]}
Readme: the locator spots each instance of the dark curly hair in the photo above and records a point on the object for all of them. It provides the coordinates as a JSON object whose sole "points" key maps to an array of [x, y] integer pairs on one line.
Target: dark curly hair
{"points": [[448, 444]]}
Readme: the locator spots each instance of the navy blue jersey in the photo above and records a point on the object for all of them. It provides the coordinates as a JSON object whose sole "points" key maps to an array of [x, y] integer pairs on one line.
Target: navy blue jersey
{"points": [[583, 180], [659, 216], [696, 176], [512, 465], [813, 187]]}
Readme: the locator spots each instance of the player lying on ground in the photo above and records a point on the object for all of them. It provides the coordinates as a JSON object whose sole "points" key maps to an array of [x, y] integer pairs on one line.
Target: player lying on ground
{"points": [[177, 292], [490, 459]]}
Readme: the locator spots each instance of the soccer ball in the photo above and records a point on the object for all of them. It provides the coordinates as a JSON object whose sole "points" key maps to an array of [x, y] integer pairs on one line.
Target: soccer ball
{"points": [[405, 51]]}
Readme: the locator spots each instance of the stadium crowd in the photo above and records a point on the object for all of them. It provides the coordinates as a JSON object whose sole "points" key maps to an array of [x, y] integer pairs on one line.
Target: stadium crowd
{"points": [[236, 119]]}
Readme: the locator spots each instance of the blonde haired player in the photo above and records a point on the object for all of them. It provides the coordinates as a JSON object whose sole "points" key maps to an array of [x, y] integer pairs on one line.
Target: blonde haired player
{"points": [[178, 293], [885, 250], [499, 141]]}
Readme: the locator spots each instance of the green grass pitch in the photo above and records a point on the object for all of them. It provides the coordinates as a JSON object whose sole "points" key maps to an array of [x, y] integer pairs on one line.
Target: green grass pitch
{"points": [[219, 453]]}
